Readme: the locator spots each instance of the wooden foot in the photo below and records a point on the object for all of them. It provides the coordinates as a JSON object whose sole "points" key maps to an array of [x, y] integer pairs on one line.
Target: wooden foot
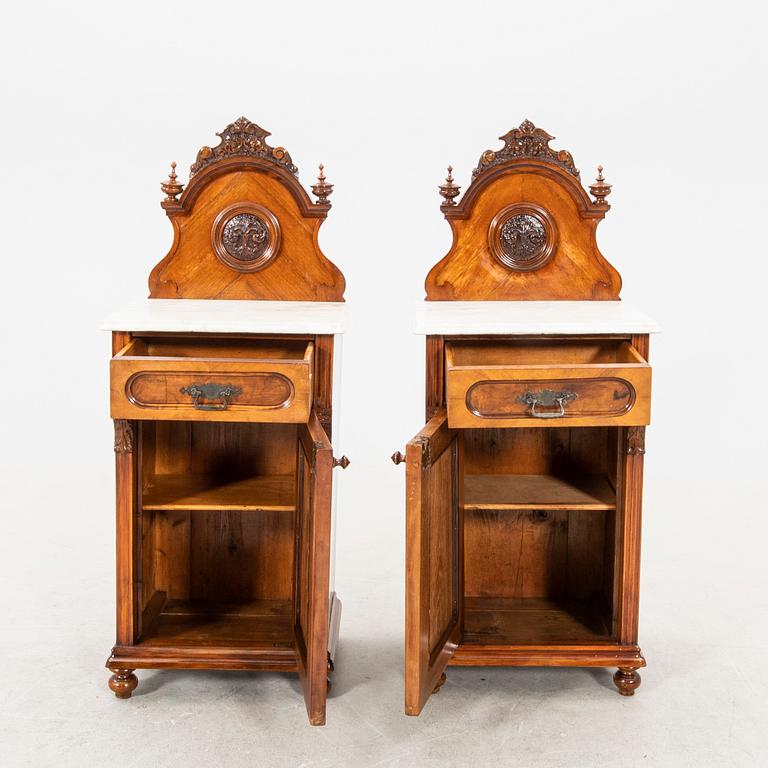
{"points": [[123, 682], [627, 680], [439, 683]]}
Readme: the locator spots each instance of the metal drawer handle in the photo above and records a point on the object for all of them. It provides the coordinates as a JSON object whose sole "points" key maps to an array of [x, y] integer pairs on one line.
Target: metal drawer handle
{"points": [[547, 398], [211, 392]]}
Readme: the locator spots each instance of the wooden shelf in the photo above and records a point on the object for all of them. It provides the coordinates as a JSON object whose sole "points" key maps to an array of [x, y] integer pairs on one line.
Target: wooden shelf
{"points": [[199, 492], [529, 620], [184, 624], [519, 492]]}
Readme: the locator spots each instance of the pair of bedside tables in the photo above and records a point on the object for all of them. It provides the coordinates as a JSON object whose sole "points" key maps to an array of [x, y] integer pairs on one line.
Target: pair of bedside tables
{"points": [[523, 489]]}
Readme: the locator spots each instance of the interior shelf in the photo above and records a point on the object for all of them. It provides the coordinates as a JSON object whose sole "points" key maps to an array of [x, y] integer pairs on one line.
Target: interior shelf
{"points": [[529, 620], [546, 492], [275, 493], [190, 624]]}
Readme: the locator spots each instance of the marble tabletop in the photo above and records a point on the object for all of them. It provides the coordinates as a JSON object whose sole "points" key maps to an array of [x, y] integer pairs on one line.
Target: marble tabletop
{"points": [[530, 318], [225, 316]]}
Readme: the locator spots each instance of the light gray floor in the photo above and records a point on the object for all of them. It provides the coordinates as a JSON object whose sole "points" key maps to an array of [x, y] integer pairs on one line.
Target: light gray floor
{"points": [[702, 701]]}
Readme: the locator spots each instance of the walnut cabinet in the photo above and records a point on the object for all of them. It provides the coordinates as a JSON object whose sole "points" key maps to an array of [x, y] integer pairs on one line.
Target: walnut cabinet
{"points": [[222, 395], [524, 487]]}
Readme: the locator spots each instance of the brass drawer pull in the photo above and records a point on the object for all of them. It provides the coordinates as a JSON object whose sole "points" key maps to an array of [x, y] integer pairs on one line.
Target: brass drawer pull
{"points": [[547, 398], [211, 392]]}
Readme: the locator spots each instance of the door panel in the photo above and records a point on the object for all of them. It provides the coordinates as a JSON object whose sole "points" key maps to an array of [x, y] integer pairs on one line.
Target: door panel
{"points": [[433, 558], [313, 537]]}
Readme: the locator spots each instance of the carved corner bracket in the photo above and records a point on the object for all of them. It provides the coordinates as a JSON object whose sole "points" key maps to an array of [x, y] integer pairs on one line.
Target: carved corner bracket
{"points": [[426, 451], [325, 417], [123, 436], [636, 441]]}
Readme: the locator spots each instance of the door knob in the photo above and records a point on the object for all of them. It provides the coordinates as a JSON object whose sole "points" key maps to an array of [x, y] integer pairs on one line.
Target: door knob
{"points": [[343, 462], [398, 457]]}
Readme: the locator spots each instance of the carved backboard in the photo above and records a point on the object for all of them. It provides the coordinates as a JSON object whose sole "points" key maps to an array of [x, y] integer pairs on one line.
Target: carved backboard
{"points": [[525, 229], [244, 226]]}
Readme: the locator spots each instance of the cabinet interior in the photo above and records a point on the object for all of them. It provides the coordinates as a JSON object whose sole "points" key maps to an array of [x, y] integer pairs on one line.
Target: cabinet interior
{"points": [[555, 352], [289, 350], [539, 524], [218, 507]]}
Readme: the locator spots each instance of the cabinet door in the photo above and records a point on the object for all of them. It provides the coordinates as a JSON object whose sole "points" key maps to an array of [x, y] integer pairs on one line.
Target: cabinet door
{"points": [[313, 542], [433, 592]]}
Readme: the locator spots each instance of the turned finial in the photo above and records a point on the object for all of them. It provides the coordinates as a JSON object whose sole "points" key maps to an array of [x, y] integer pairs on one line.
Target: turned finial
{"points": [[600, 189], [322, 190], [171, 186], [449, 190]]}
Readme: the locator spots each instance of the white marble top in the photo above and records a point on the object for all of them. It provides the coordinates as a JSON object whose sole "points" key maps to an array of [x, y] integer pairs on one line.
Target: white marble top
{"points": [[517, 318], [223, 316]]}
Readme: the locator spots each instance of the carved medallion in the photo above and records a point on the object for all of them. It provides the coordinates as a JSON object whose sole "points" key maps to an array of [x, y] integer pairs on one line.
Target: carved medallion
{"points": [[522, 236], [245, 237]]}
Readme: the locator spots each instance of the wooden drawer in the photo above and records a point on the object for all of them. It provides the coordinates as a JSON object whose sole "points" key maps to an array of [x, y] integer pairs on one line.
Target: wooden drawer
{"points": [[212, 380], [603, 382]]}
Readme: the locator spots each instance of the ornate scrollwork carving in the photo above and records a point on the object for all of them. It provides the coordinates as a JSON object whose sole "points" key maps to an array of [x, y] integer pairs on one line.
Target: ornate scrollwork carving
{"points": [[527, 141], [123, 436], [243, 139]]}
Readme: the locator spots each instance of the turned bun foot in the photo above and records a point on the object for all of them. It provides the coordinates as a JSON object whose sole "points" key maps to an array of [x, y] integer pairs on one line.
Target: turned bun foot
{"points": [[439, 683], [123, 683], [627, 680]]}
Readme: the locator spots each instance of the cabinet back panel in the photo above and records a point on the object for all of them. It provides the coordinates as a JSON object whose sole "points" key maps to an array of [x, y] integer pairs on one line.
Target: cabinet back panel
{"points": [[559, 555], [220, 448], [555, 451], [219, 556]]}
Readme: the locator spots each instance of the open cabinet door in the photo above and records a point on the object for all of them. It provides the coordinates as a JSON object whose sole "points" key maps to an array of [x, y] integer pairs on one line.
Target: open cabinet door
{"points": [[313, 546], [433, 586]]}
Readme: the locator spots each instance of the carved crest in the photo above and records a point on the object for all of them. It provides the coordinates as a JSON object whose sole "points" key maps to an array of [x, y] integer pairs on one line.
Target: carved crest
{"points": [[527, 141], [243, 139]]}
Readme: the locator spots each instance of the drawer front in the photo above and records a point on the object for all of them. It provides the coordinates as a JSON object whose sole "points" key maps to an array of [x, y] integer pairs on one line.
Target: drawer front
{"points": [[526, 396], [213, 390]]}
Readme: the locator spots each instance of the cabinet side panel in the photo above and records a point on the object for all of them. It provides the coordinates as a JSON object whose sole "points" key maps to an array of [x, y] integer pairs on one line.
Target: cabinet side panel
{"points": [[435, 372]]}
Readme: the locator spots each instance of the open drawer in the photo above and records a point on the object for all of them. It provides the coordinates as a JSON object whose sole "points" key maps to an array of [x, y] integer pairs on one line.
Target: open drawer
{"points": [[527, 383], [185, 379]]}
